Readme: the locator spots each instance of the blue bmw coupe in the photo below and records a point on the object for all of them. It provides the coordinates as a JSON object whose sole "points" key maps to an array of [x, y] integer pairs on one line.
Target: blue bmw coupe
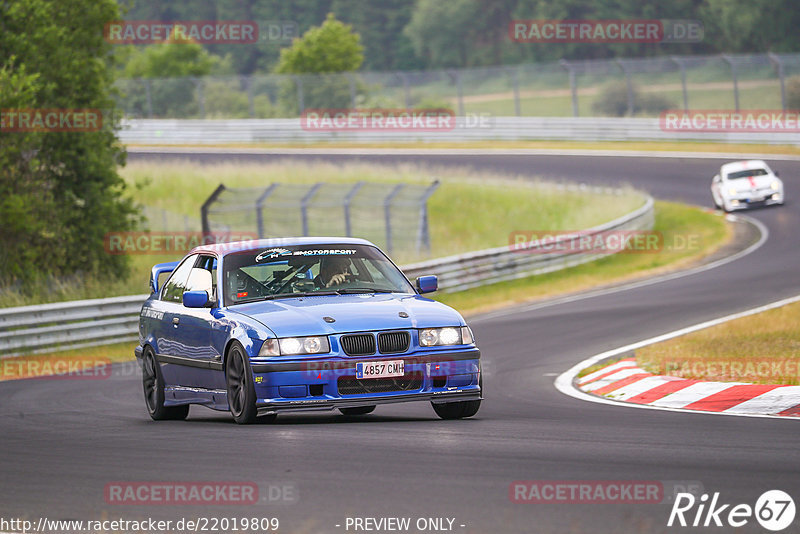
{"points": [[289, 325]]}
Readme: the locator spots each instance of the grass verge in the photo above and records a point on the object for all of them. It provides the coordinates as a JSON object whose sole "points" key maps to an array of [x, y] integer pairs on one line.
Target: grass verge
{"points": [[761, 349], [679, 225]]}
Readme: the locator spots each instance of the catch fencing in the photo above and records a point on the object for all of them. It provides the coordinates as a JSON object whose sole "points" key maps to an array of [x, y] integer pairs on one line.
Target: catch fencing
{"points": [[393, 216], [590, 88], [96, 322]]}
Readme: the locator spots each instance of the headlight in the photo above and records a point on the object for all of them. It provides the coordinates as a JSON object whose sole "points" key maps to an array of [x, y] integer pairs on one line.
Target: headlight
{"points": [[432, 337], [732, 191], [289, 346], [775, 185]]}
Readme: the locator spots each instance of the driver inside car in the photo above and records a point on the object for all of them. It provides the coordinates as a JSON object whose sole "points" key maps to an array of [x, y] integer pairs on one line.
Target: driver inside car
{"points": [[333, 271]]}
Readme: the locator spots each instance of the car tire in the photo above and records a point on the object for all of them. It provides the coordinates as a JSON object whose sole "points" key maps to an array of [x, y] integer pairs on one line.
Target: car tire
{"points": [[457, 410], [239, 381], [153, 386], [360, 410]]}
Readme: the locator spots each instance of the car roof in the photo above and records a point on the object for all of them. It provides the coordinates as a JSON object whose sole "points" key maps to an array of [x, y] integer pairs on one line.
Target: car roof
{"points": [[222, 249], [743, 166]]}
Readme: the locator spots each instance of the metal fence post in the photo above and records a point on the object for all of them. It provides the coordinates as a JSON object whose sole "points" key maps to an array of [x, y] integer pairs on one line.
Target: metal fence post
{"points": [[681, 65], [573, 85], [206, 205], [149, 98], [304, 206], [629, 86], [251, 107], [259, 205], [387, 214], [782, 75], [729, 61], [456, 77], [514, 73], [423, 233], [348, 199], [201, 97], [300, 97]]}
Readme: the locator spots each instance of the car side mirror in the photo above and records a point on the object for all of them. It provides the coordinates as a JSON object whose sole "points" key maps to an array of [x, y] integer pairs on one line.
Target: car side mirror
{"points": [[427, 284], [196, 299]]}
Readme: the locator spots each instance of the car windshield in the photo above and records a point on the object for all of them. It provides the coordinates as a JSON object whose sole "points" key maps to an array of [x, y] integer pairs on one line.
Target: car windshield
{"points": [[747, 174], [283, 272]]}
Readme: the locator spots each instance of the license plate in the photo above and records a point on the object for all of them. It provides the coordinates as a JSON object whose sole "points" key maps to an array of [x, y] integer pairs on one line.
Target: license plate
{"points": [[385, 369]]}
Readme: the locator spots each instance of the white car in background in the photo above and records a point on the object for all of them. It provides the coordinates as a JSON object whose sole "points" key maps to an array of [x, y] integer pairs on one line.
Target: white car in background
{"points": [[745, 184]]}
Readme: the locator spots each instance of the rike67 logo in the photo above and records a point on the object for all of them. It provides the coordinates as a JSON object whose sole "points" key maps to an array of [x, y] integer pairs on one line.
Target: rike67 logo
{"points": [[774, 510]]}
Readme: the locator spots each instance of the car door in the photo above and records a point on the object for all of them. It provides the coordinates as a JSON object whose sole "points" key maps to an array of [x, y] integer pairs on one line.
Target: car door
{"points": [[172, 348], [195, 326]]}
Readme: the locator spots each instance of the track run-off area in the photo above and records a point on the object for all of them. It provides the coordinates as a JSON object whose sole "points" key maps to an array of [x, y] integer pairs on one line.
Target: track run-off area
{"points": [[65, 441]]}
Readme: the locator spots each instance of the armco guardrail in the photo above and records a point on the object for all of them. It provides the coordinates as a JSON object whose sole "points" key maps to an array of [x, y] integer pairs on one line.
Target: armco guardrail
{"points": [[477, 128], [84, 323]]}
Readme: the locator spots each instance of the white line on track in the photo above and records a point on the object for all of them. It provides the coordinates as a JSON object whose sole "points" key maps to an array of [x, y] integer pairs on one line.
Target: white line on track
{"points": [[564, 382], [458, 152]]}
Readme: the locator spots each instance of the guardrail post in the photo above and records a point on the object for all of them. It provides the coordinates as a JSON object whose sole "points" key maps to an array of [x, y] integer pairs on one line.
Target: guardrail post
{"points": [[259, 205], [348, 199], [573, 85], [776, 60], [729, 60], [423, 235], [207, 204], [304, 206], [682, 66], [387, 214]]}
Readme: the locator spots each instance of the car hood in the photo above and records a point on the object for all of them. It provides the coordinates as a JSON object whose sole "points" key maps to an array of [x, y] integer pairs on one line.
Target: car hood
{"points": [[304, 316]]}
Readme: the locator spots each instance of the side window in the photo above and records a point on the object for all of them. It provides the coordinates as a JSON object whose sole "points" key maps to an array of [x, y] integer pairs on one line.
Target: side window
{"points": [[173, 290]]}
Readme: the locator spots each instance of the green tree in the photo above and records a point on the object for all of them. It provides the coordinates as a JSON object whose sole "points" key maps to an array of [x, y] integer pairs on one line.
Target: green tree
{"points": [[59, 191], [324, 51]]}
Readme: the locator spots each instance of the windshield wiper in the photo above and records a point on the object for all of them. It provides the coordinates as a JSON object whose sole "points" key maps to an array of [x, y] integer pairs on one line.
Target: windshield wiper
{"points": [[362, 290], [303, 294]]}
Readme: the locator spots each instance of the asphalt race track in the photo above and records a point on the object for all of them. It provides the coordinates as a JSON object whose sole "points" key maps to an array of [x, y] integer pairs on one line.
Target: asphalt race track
{"points": [[63, 441]]}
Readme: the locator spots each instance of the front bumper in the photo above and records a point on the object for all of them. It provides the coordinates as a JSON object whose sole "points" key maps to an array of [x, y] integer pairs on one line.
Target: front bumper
{"points": [[743, 202], [326, 384]]}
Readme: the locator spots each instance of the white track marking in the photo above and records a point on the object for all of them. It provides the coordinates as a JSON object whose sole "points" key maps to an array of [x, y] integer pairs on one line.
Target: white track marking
{"points": [[597, 374], [610, 379], [564, 381], [775, 401], [695, 392], [638, 387]]}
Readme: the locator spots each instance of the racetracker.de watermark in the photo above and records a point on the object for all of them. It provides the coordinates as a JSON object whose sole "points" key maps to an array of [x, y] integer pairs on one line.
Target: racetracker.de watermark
{"points": [[55, 368], [199, 493], [378, 119], [602, 242], [50, 120], [606, 31], [729, 120], [181, 31], [749, 370], [169, 242]]}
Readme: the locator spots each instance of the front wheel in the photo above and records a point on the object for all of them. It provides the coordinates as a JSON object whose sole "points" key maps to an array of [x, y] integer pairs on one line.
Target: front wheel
{"points": [[457, 410], [153, 385], [241, 392]]}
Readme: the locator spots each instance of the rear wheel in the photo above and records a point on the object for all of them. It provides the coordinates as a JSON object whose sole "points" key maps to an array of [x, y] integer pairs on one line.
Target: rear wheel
{"points": [[360, 410], [241, 392], [153, 385], [457, 410]]}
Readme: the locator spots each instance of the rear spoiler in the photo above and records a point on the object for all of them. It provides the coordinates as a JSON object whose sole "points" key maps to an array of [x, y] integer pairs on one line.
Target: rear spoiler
{"points": [[158, 270]]}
